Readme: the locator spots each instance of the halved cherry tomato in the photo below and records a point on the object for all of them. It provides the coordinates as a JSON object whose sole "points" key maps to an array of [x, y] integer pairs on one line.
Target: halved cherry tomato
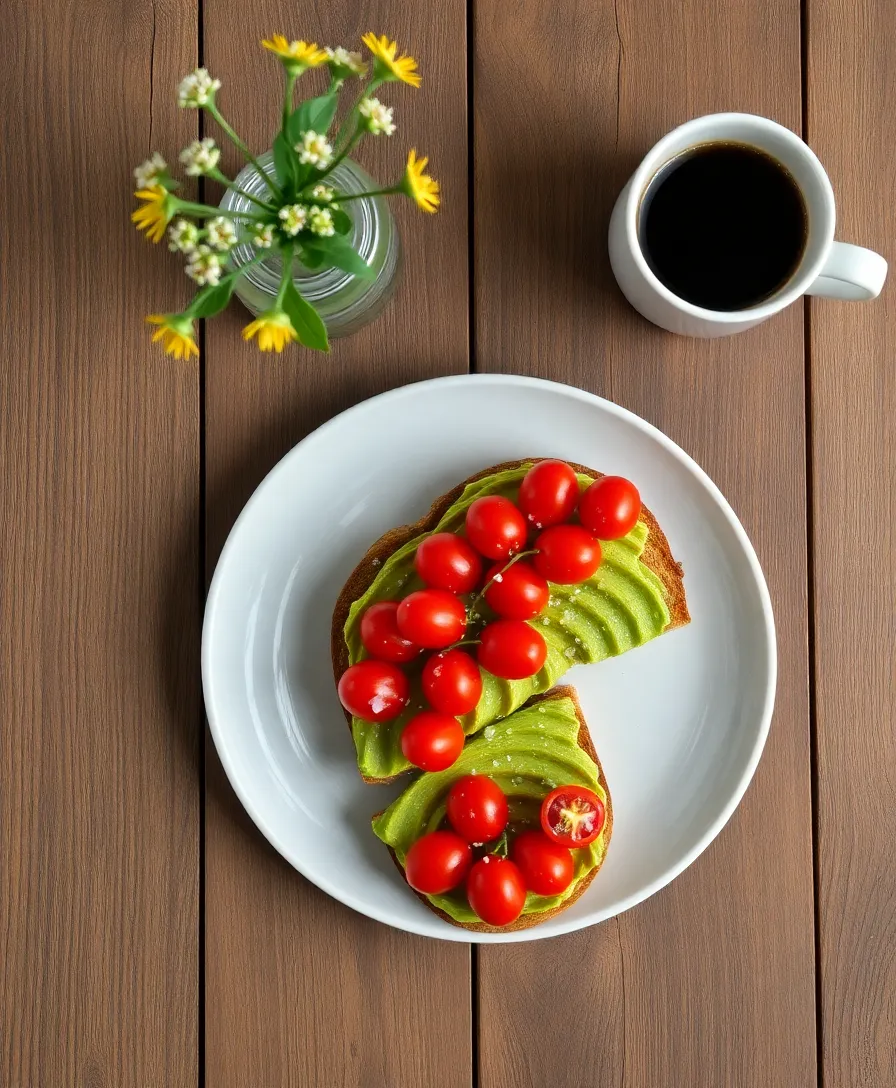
{"points": [[437, 862], [452, 682], [496, 890], [374, 691], [432, 618], [610, 507], [518, 593], [511, 649], [572, 816], [549, 493], [495, 527], [476, 808], [432, 741], [567, 554], [447, 561], [381, 637], [547, 867]]}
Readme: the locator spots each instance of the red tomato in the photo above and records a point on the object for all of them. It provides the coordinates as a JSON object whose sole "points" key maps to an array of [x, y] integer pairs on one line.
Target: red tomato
{"points": [[477, 808], [452, 682], [567, 554], [511, 649], [432, 741], [549, 493], [380, 634], [447, 561], [610, 507], [432, 618], [518, 593], [547, 867], [496, 890], [495, 527], [572, 816], [437, 862], [374, 691]]}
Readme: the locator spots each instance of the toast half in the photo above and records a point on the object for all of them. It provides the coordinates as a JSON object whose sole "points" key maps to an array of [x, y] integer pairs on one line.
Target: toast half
{"points": [[526, 921]]}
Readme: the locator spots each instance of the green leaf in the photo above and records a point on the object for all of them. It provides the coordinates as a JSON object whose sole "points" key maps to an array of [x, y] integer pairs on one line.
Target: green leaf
{"points": [[315, 115], [212, 300], [337, 251], [312, 259], [305, 320], [341, 221], [286, 163]]}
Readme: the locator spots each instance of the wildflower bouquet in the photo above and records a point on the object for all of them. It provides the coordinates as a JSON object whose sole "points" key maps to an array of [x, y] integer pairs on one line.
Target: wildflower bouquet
{"points": [[297, 213]]}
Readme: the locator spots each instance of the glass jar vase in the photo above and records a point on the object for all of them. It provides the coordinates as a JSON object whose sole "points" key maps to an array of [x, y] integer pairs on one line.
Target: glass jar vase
{"points": [[344, 302]]}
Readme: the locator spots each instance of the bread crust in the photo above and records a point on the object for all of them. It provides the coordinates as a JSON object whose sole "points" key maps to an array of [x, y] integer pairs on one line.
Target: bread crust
{"points": [[526, 921]]}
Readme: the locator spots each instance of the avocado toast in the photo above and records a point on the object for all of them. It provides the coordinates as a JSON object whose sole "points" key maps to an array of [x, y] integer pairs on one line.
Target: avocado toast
{"points": [[636, 595], [533, 750]]}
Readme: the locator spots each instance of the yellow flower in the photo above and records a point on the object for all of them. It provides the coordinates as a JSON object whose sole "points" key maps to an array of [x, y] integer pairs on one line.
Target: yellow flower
{"points": [[154, 216], [420, 187], [176, 333], [388, 66], [274, 330], [296, 56]]}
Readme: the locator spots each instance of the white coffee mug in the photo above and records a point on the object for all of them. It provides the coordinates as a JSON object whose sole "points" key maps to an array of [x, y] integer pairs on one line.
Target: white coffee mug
{"points": [[828, 268]]}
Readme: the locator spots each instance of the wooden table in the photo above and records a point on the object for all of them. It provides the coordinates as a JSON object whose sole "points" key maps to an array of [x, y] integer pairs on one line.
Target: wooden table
{"points": [[148, 934]]}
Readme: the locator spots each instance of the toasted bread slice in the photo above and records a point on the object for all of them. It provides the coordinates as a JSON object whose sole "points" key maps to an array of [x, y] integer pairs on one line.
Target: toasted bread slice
{"points": [[526, 921], [657, 556]]}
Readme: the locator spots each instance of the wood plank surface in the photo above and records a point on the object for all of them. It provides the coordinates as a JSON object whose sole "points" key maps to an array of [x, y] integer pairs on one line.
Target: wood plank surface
{"points": [[711, 982], [302, 991], [851, 110], [99, 594]]}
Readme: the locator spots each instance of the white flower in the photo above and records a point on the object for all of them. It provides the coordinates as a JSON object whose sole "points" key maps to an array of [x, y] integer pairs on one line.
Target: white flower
{"points": [[262, 235], [196, 89], [148, 173], [221, 233], [204, 266], [322, 222], [293, 217], [314, 150], [183, 236], [323, 193], [379, 117], [201, 157], [342, 58]]}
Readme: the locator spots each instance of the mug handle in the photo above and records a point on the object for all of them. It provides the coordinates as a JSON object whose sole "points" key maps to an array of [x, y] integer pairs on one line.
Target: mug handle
{"points": [[850, 272]]}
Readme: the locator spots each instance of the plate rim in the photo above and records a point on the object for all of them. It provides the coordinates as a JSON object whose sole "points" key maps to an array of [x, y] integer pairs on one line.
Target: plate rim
{"points": [[454, 933]]}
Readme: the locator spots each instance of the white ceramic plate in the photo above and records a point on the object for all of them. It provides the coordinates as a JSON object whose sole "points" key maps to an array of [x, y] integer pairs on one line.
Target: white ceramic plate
{"points": [[679, 724]]}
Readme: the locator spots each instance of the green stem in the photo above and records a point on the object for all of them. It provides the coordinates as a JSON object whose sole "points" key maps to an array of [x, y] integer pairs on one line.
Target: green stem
{"points": [[285, 279], [341, 198], [216, 175], [498, 574], [205, 211], [235, 274], [359, 132], [291, 78], [265, 177], [352, 114]]}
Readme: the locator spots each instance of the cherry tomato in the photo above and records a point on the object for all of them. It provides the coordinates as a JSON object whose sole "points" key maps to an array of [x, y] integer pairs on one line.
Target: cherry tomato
{"points": [[496, 890], [437, 862], [518, 593], [549, 493], [432, 741], [452, 682], [572, 816], [374, 691], [380, 634], [567, 554], [432, 618], [477, 808], [547, 867], [447, 561], [610, 507], [511, 649], [495, 527]]}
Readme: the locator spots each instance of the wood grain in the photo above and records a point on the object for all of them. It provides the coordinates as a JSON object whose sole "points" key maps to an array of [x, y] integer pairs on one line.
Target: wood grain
{"points": [[300, 990], [711, 982], [852, 98], [99, 595]]}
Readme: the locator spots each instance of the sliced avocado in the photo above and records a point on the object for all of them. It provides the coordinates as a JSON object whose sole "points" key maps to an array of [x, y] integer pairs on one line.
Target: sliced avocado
{"points": [[528, 755], [620, 608]]}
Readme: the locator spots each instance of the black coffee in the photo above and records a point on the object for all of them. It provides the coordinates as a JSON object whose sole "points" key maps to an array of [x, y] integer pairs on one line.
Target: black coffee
{"points": [[723, 226]]}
